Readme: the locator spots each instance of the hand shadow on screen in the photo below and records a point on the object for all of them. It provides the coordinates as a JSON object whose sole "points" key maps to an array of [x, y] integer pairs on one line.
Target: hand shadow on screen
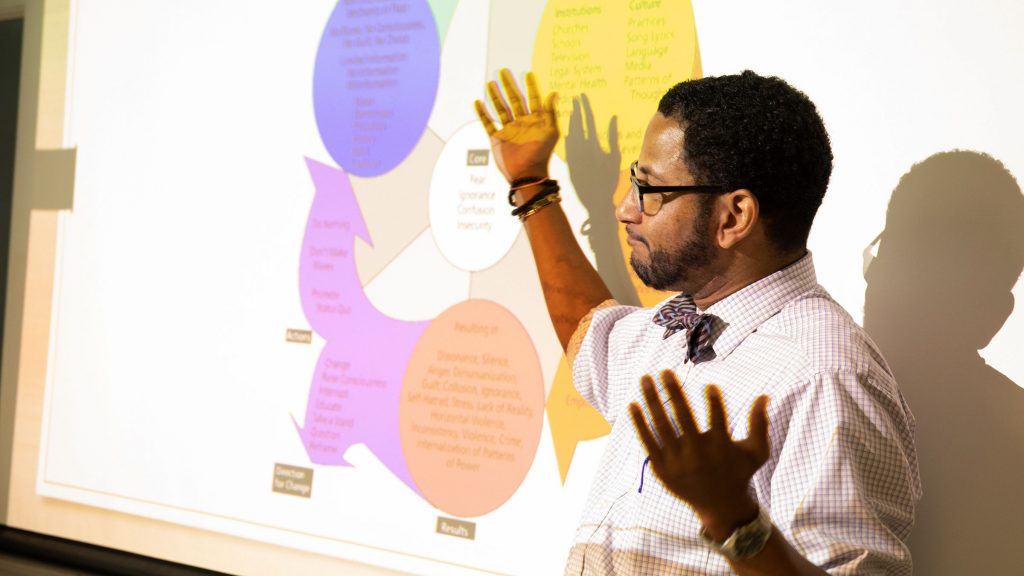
{"points": [[595, 177], [937, 292]]}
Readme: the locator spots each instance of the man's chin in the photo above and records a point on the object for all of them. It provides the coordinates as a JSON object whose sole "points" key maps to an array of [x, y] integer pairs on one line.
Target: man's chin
{"points": [[643, 271]]}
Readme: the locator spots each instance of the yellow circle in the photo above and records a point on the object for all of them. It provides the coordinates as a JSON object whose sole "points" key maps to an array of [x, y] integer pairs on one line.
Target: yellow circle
{"points": [[623, 55]]}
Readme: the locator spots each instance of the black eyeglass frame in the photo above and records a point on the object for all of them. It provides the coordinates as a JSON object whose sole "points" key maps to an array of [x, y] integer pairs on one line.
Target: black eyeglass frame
{"points": [[641, 189]]}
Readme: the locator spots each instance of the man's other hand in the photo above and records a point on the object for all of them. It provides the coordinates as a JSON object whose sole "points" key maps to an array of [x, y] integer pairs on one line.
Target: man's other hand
{"points": [[708, 470]]}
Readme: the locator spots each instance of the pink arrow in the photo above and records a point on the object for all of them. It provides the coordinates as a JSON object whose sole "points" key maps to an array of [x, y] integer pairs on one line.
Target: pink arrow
{"points": [[356, 388]]}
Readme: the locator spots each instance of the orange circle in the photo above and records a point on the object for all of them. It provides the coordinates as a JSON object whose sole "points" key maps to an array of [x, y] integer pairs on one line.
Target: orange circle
{"points": [[471, 408]]}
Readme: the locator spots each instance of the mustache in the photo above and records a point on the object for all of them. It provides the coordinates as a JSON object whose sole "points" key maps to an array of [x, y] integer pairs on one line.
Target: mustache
{"points": [[632, 235]]}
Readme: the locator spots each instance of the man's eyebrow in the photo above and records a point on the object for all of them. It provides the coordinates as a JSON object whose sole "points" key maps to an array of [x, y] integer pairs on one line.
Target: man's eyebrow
{"points": [[648, 172]]}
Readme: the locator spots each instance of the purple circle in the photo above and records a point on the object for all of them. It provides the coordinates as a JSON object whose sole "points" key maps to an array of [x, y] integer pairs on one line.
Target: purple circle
{"points": [[375, 82]]}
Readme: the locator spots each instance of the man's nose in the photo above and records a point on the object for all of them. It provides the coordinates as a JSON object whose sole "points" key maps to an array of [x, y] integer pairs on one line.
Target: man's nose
{"points": [[628, 210]]}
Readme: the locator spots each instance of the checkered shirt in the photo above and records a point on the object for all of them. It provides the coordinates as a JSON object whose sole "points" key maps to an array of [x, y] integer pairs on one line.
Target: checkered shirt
{"points": [[841, 482]]}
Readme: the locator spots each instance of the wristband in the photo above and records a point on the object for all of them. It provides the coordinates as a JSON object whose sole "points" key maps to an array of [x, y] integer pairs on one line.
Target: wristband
{"points": [[548, 200], [746, 541], [550, 187], [522, 183]]}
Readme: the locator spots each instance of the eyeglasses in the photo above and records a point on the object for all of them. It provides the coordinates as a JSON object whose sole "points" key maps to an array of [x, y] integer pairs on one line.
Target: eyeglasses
{"points": [[654, 203]]}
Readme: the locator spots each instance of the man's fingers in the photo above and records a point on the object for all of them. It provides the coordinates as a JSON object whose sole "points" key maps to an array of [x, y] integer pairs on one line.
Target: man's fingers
{"points": [[499, 102], [718, 419], [642, 430], [485, 118], [680, 405], [549, 108], [757, 438], [532, 93], [662, 425], [515, 97]]}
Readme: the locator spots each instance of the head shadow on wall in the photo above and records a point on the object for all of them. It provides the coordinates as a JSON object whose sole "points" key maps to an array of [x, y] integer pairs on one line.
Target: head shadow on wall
{"points": [[937, 292]]}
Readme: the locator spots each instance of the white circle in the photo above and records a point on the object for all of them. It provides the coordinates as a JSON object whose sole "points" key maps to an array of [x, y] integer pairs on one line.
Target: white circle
{"points": [[469, 210]]}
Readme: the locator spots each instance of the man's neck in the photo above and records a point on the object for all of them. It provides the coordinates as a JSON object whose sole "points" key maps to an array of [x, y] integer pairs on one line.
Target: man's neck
{"points": [[741, 271]]}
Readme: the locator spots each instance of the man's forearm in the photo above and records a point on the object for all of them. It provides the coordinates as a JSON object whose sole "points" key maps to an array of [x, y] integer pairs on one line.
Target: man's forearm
{"points": [[777, 558], [570, 283]]}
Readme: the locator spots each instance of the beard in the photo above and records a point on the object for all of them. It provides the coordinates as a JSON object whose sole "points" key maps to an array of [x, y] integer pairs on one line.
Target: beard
{"points": [[675, 265]]}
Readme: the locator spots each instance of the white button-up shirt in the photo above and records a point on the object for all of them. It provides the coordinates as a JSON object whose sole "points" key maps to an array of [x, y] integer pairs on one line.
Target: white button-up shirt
{"points": [[841, 482]]}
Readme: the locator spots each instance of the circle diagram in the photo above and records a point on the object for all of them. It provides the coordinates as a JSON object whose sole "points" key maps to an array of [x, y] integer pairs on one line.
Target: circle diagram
{"points": [[469, 210], [374, 82], [471, 409], [622, 55]]}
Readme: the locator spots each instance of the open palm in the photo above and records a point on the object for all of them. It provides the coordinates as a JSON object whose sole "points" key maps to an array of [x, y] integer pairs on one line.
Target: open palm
{"points": [[529, 129]]}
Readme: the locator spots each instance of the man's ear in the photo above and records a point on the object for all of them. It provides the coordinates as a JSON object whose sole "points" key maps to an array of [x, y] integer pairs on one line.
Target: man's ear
{"points": [[738, 216]]}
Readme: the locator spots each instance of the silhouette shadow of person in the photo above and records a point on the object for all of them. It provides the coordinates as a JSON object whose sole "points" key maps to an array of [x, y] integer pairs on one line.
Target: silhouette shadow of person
{"points": [[937, 292], [595, 176]]}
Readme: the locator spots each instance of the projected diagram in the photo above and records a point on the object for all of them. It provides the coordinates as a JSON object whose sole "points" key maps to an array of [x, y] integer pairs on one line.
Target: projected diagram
{"points": [[419, 380], [423, 363]]}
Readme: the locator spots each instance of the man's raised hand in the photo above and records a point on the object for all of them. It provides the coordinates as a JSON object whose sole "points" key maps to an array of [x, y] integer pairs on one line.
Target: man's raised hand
{"points": [[529, 129]]}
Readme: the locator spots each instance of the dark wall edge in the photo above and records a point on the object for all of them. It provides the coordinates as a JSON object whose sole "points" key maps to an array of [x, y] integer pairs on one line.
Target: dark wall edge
{"points": [[95, 559]]}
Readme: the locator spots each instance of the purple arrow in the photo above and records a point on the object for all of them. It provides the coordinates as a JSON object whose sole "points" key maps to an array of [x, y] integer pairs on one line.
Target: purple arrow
{"points": [[332, 296], [355, 391]]}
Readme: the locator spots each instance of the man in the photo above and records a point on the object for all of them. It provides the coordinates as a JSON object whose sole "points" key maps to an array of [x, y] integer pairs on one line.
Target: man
{"points": [[730, 174]]}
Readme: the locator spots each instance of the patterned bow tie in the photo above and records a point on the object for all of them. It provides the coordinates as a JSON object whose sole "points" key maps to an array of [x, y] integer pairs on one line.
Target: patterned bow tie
{"points": [[680, 313]]}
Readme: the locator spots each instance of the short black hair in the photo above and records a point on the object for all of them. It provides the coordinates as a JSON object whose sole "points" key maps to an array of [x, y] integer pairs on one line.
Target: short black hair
{"points": [[759, 133]]}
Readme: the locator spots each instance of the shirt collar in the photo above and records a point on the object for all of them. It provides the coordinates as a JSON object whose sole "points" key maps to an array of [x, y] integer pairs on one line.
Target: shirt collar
{"points": [[739, 314]]}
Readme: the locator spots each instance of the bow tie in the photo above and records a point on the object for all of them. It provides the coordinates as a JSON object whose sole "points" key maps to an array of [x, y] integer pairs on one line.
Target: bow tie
{"points": [[680, 313]]}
